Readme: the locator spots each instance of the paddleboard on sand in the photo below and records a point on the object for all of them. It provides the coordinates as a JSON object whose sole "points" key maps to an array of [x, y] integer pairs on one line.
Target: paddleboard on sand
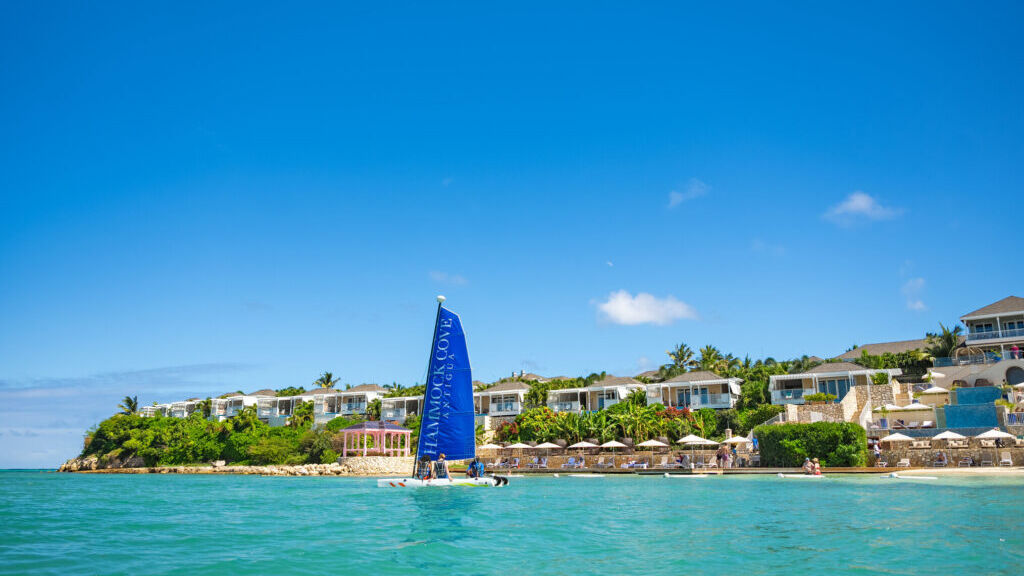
{"points": [[896, 476]]}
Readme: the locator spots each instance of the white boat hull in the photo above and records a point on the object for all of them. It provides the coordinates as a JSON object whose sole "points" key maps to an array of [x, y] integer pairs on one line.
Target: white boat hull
{"points": [[485, 482]]}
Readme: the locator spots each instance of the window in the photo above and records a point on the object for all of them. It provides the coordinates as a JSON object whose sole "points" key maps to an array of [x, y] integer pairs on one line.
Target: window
{"points": [[837, 386], [989, 327]]}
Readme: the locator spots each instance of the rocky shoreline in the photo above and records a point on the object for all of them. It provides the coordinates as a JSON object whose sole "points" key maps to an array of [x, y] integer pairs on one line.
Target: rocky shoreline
{"points": [[356, 466]]}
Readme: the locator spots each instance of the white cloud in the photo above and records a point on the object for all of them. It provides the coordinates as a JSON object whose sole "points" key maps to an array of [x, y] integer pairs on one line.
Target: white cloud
{"points": [[610, 264], [694, 189], [446, 278], [912, 292], [623, 308], [860, 205]]}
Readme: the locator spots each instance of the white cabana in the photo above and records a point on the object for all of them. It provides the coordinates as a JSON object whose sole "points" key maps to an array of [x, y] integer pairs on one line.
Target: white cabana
{"points": [[995, 434], [948, 435], [897, 437], [889, 407], [935, 390], [917, 406]]}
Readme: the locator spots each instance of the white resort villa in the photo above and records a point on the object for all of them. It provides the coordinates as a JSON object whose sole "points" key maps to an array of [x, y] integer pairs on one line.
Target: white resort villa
{"points": [[695, 390], [834, 378]]}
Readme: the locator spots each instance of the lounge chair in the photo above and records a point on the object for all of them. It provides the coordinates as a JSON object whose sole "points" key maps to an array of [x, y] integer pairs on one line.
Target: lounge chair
{"points": [[500, 463], [543, 462], [903, 463], [515, 463], [664, 463], [535, 463], [602, 464], [965, 462], [879, 463], [570, 463], [986, 461], [1004, 459], [940, 462], [755, 460], [581, 463], [927, 424]]}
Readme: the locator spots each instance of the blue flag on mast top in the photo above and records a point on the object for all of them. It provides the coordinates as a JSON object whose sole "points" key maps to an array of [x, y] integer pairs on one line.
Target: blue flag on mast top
{"points": [[447, 425]]}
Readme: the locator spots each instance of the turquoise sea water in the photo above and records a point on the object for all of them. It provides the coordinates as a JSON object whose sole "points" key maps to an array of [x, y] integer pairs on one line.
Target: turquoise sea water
{"points": [[178, 524]]}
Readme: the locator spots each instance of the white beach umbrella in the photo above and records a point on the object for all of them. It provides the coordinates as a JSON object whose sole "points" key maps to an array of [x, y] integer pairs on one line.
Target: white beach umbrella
{"points": [[889, 407], [489, 446], [613, 444], [547, 446], [581, 445], [737, 440], [917, 407], [994, 434], [948, 435], [652, 444], [692, 439], [935, 390], [897, 437], [519, 446]]}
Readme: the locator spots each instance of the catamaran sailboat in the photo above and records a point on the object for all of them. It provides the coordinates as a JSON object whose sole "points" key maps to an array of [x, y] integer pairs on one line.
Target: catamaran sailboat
{"points": [[447, 423]]}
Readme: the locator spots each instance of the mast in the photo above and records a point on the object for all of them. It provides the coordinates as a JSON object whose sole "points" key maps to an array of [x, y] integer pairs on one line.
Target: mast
{"points": [[430, 360]]}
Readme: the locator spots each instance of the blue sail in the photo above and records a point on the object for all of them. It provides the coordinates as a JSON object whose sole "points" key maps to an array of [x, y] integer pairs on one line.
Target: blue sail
{"points": [[447, 425]]}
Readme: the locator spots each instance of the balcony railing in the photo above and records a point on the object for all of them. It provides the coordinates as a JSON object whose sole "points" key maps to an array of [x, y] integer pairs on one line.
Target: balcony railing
{"points": [[604, 403], [564, 406], [966, 360], [395, 414], [787, 395], [359, 408], [995, 334], [1015, 418], [709, 401], [503, 408]]}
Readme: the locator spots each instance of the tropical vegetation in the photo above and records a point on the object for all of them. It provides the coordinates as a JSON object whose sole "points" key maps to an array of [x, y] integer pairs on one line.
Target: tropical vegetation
{"points": [[833, 443]]}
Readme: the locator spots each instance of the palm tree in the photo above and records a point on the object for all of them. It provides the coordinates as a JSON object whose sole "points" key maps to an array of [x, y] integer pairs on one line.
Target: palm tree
{"points": [[130, 405], [682, 356], [941, 345], [711, 359], [326, 380], [373, 409]]}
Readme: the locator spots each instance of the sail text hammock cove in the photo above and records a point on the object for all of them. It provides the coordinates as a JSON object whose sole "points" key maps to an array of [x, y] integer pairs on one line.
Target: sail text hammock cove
{"points": [[447, 430]]}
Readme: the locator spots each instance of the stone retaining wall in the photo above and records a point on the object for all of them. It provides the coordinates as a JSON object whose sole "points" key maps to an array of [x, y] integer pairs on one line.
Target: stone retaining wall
{"points": [[355, 466]]}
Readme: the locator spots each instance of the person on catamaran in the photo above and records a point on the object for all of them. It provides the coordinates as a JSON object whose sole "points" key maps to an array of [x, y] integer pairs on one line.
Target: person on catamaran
{"points": [[423, 468], [441, 467], [475, 469]]}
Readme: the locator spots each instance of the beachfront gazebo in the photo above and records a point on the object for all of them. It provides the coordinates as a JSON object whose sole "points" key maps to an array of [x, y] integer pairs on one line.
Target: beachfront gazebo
{"points": [[387, 439]]}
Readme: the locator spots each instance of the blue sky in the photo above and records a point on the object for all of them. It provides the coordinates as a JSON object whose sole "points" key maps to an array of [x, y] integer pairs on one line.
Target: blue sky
{"points": [[206, 199]]}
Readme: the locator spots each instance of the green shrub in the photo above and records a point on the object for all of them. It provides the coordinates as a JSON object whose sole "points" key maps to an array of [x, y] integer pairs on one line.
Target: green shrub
{"points": [[833, 443], [275, 450], [820, 397], [341, 422]]}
